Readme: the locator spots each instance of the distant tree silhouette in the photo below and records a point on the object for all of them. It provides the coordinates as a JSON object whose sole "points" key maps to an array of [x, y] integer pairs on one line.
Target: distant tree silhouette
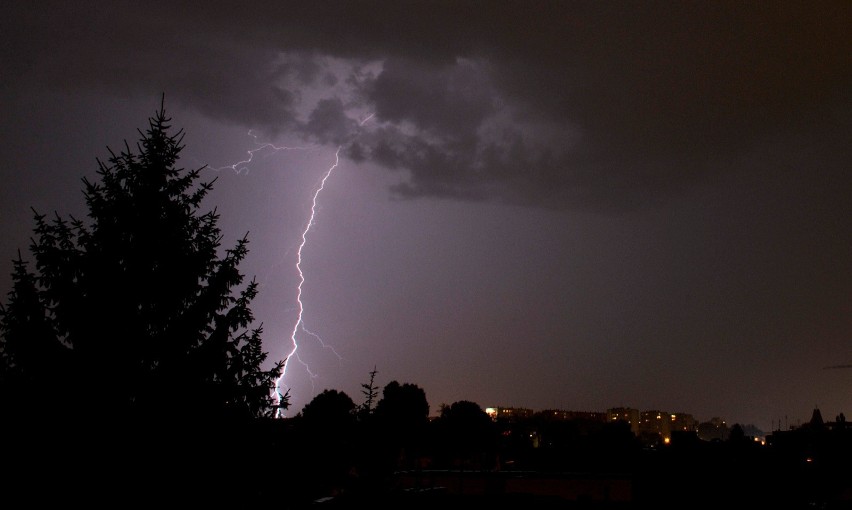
{"points": [[370, 392], [403, 404], [737, 434], [816, 418], [322, 451], [136, 312], [402, 416], [330, 409], [467, 435]]}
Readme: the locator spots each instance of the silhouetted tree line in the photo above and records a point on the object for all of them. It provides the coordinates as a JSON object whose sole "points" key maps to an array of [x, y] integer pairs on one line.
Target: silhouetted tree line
{"points": [[339, 449], [128, 338], [132, 375], [335, 447]]}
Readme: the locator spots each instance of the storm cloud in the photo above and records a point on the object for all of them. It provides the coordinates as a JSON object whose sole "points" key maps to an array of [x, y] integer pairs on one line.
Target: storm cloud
{"points": [[555, 104]]}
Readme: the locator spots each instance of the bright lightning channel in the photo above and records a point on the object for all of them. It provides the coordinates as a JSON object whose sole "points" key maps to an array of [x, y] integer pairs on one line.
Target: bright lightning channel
{"points": [[242, 166], [300, 325]]}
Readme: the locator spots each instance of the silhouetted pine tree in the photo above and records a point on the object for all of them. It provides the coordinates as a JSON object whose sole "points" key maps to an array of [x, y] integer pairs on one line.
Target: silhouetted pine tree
{"points": [[137, 312], [370, 392]]}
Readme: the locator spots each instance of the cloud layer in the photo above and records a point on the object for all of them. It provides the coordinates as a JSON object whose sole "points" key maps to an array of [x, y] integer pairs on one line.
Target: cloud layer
{"points": [[556, 104]]}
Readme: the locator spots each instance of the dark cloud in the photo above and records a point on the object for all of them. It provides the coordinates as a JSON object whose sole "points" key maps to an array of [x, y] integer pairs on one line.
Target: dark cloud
{"points": [[606, 106], [568, 104], [449, 101], [328, 123]]}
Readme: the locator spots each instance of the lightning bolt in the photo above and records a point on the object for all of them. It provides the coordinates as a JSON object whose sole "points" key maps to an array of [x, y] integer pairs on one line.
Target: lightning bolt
{"points": [[300, 324], [242, 165]]}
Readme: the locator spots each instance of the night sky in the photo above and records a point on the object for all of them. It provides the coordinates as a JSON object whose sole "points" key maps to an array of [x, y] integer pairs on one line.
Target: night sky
{"points": [[575, 205]]}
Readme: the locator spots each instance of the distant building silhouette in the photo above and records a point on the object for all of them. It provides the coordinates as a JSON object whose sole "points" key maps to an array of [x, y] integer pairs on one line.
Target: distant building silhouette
{"points": [[683, 422], [628, 414], [563, 415], [509, 413], [654, 426]]}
